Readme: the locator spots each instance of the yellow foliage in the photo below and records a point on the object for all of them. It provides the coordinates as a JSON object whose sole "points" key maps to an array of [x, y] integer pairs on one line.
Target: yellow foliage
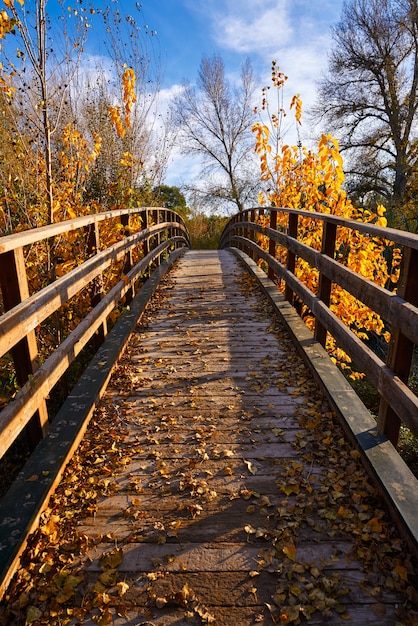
{"points": [[297, 103], [311, 180], [129, 98], [116, 120]]}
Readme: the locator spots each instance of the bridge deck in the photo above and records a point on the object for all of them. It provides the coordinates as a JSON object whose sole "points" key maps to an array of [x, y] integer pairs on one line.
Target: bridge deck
{"points": [[228, 495]]}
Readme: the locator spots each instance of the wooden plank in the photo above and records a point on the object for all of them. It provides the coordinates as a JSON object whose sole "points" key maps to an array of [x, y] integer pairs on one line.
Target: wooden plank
{"points": [[205, 557], [389, 305], [29, 237], [291, 256], [29, 313], [401, 237], [389, 386], [231, 550], [48, 461], [401, 347], [19, 411], [329, 235], [394, 479], [14, 287]]}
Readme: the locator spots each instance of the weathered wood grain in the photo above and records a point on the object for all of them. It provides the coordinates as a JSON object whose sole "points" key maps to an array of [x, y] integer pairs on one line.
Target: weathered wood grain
{"points": [[211, 419]]}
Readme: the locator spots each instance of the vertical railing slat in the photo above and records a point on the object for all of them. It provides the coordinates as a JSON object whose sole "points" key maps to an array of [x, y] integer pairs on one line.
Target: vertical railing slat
{"points": [[329, 236], [128, 261], [14, 287], [251, 234], [93, 247], [291, 257], [272, 243], [401, 349]]}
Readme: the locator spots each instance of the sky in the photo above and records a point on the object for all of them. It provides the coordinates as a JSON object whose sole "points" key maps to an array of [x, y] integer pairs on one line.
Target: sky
{"points": [[297, 33]]}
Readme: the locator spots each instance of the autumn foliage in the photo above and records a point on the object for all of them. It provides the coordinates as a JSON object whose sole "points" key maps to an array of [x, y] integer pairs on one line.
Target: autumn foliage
{"points": [[23, 206], [312, 180]]}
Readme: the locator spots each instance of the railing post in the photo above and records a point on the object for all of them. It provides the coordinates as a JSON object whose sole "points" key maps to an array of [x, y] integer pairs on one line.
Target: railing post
{"points": [[251, 234], [93, 247], [291, 257], [401, 349], [173, 217], [156, 239], [272, 243], [128, 262], [241, 229], [329, 236], [177, 231], [14, 287], [144, 221], [244, 218], [236, 229]]}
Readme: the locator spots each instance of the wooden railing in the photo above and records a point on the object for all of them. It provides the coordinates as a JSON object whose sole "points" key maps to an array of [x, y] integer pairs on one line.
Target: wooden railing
{"points": [[133, 252], [399, 309]]}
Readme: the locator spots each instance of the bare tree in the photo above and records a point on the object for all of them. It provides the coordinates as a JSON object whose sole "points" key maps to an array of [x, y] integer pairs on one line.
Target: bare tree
{"points": [[43, 78], [129, 42], [215, 123], [370, 95]]}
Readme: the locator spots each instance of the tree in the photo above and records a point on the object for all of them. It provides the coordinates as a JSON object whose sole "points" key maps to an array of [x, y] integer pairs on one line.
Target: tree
{"points": [[45, 88], [171, 198], [312, 180], [370, 96], [43, 80], [130, 45], [215, 121]]}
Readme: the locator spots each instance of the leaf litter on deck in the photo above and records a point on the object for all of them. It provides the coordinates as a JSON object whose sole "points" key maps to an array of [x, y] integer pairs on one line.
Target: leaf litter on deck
{"points": [[201, 494]]}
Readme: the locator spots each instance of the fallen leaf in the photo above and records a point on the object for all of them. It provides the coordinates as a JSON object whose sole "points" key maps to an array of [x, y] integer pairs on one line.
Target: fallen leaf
{"points": [[33, 614], [122, 588], [250, 530], [290, 552], [251, 467]]}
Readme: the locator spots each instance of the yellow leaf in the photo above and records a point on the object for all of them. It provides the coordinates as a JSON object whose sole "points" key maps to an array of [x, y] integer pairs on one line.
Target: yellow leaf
{"points": [[289, 614], [122, 588], [109, 577], [250, 530], [374, 525], [401, 571], [251, 467], [111, 560], [290, 552]]}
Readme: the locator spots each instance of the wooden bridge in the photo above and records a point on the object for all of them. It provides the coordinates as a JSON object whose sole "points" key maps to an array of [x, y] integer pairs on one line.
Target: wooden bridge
{"points": [[211, 465]]}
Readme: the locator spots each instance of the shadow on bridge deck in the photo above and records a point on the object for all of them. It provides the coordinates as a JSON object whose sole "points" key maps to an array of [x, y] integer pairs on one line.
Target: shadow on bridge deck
{"points": [[228, 492]]}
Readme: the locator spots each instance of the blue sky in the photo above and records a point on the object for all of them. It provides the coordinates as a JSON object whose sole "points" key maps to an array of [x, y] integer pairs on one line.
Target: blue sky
{"points": [[294, 32], [297, 33]]}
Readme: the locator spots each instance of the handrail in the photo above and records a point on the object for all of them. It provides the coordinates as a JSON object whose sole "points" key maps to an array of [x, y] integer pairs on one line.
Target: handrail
{"points": [[160, 232], [28, 237], [400, 310]]}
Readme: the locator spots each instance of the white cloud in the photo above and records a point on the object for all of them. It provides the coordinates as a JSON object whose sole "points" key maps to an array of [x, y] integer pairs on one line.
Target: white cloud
{"points": [[96, 69], [182, 169], [252, 26], [167, 95], [296, 33]]}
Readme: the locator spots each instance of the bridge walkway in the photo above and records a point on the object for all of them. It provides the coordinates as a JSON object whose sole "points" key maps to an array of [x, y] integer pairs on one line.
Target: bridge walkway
{"points": [[213, 484]]}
